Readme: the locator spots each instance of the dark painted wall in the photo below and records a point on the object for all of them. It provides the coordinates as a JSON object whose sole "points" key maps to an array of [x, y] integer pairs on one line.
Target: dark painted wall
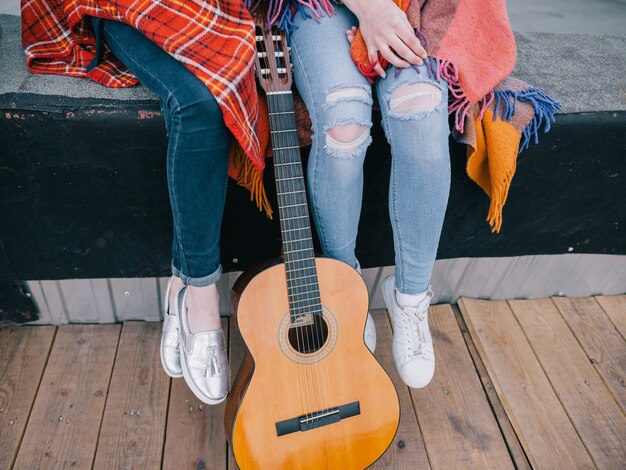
{"points": [[83, 195]]}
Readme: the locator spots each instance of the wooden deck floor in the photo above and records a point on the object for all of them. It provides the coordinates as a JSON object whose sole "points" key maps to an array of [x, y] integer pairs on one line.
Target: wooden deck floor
{"points": [[521, 383]]}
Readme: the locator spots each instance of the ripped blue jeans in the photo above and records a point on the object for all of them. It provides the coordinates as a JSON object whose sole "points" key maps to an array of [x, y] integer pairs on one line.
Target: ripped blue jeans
{"points": [[415, 119]]}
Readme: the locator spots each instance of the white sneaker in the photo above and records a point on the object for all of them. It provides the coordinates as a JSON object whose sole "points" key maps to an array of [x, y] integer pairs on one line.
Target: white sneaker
{"points": [[370, 333], [170, 344], [203, 358], [412, 348]]}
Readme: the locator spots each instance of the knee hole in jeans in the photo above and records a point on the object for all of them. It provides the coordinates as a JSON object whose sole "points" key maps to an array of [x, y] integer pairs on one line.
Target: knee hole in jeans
{"points": [[348, 93], [414, 98], [347, 140]]}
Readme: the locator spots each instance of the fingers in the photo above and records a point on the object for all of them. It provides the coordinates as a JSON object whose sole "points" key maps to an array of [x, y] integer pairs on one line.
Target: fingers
{"points": [[408, 37], [372, 55], [351, 33], [403, 51], [392, 58]]}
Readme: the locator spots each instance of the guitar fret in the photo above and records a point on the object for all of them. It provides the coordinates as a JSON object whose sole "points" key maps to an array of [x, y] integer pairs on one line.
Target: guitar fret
{"points": [[307, 300], [291, 192], [312, 295], [302, 277], [298, 240], [282, 112], [307, 309], [292, 205], [292, 178], [298, 217], [300, 269], [308, 284], [294, 229], [286, 130], [288, 163], [296, 251], [286, 148]]}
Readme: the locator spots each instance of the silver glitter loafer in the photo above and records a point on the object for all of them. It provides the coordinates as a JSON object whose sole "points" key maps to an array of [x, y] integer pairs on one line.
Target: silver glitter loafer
{"points": [[170, 352], [203, 358]]}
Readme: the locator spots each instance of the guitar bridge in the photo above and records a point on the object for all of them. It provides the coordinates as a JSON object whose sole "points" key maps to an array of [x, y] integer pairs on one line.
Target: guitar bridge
{"points": [[317, 419]]}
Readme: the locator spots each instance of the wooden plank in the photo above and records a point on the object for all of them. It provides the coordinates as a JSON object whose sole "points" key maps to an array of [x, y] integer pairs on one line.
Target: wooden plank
{"points": [[590, 406], [459, 429], [62, 430], [23, 355], [615, 308], [236, 350], [133, 426], [195, 431], [600, 340], [512, 441], [407, 449], [544, 429]]}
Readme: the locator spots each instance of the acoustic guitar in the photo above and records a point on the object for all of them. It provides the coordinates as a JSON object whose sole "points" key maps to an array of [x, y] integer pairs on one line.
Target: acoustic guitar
{"points": [[309, 394]]}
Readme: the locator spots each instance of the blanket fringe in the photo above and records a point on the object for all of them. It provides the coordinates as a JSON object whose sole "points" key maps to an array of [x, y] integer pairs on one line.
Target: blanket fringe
{"points": [[543, 105], [497, 200], [245, 174], [279, 12]]}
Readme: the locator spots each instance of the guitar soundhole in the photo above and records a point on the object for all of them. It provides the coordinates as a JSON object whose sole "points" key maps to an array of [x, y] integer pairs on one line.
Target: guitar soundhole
{"points": [[308, 333]]}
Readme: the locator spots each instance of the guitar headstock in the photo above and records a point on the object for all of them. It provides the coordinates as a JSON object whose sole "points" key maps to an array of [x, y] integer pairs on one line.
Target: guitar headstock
{"points": [[272, 61]]}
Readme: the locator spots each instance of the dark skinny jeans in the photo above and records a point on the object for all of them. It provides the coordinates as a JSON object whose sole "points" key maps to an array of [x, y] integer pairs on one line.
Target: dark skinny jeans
{"points": [[197, 153]]}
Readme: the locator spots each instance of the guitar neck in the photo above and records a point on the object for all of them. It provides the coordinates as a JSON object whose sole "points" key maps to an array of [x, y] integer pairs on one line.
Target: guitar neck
{"points": [[292, 207]]}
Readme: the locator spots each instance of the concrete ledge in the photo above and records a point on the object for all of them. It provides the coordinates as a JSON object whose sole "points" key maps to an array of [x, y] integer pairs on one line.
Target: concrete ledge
{"points": [[584, 71]]}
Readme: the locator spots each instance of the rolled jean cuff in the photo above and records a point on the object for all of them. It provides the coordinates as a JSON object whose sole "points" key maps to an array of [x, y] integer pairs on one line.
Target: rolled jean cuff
{"points": [[198, 281]]}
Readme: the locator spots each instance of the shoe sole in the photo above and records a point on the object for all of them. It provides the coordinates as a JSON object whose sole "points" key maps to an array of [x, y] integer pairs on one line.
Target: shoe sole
{"points": [[167, 371], [196, 391]]}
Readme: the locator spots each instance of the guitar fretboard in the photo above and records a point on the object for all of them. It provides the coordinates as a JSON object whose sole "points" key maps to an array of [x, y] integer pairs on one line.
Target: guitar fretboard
{"points": [[302, 282]]}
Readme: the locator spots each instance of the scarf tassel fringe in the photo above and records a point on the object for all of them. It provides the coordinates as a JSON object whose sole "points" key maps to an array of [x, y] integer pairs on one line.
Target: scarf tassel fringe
{"points": [[245, 174]]}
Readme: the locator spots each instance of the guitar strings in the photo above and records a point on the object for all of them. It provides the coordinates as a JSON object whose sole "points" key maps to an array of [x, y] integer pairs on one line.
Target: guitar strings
{"points": [[302, 377], [310, 304], [309, 307], [292, 177], [286, 179]]}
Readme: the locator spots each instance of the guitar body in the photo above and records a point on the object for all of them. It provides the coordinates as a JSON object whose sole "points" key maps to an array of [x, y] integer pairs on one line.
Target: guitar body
{"points": [[277, 383]]}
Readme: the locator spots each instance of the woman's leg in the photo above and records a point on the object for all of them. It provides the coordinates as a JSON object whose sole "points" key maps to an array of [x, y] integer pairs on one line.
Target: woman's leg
{"points": [[197, 163], [339, 101], [415, 120]]}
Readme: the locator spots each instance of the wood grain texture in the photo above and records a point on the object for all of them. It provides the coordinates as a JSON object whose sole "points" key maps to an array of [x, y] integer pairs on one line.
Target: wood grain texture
{"points": [[133, 425], [604, 346], [407, 449], [513, 444], [63, 427], [351, 442], [236, 352], [615, 308], [195, 432], [536, 413], [454, 414], [590, 406], [23, 355]]}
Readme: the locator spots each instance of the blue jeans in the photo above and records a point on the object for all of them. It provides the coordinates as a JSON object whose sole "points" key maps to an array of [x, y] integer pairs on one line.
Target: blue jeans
{"points": [[337, 94], [197, 152]]}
